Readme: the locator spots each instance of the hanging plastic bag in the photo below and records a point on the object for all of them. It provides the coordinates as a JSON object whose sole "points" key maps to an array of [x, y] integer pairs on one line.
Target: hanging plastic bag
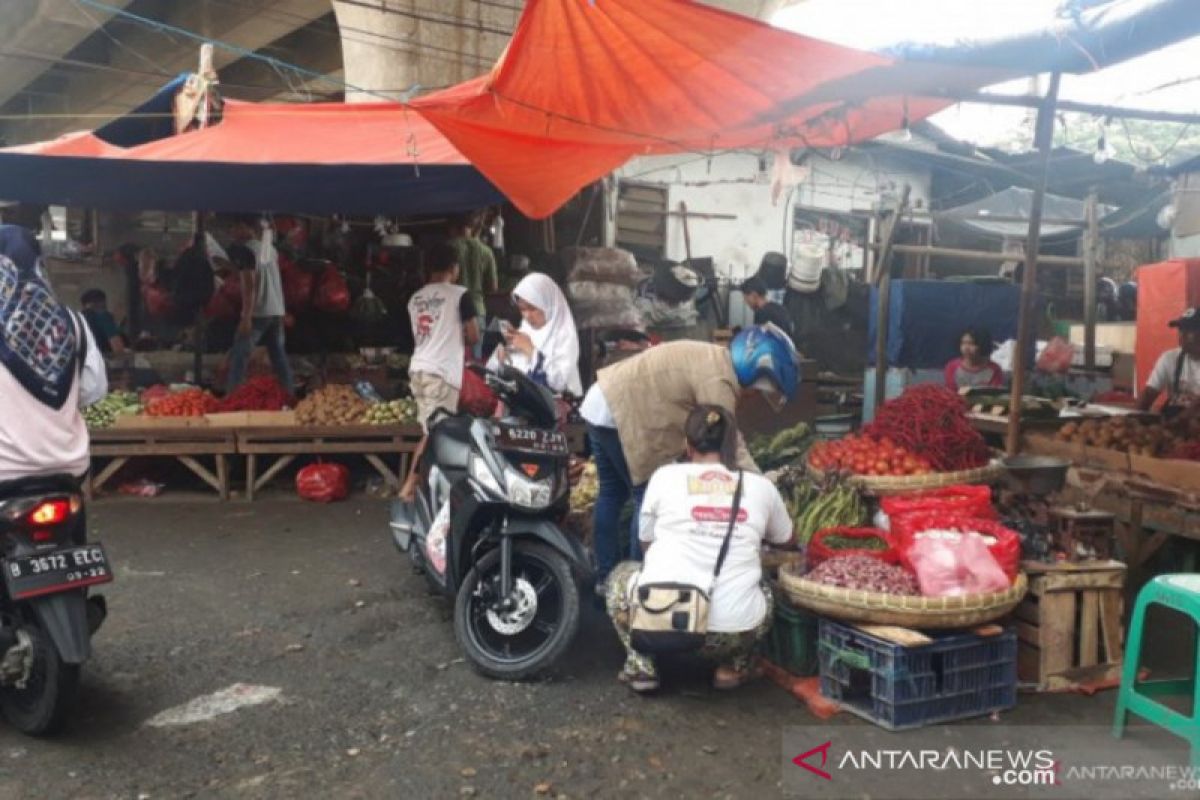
{"points": [[297, 286], [333, 295], [956, 565], [1056, 356], [323, 483], [476, 397]]}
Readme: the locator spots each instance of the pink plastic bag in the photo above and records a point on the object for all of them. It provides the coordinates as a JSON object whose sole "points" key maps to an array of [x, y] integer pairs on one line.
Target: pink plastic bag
{"points": [[1056, 356], [955, 565]]}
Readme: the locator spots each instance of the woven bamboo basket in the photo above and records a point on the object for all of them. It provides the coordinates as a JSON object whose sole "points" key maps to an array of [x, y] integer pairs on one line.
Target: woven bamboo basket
{"points": [[903, 484], [853, 605]]}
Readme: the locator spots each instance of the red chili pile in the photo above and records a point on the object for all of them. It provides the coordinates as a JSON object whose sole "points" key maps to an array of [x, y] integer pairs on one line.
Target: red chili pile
{"points": [[257, 394], [931, 422], [865, 455], [1189, 451]]}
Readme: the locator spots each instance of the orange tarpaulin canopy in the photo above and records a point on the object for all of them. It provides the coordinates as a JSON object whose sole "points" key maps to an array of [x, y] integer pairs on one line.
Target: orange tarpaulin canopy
{"points": [[585, 85]]}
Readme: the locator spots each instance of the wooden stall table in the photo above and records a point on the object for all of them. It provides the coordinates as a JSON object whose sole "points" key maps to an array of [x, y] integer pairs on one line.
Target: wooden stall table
{"points": [[185, 444], [373, 442]]}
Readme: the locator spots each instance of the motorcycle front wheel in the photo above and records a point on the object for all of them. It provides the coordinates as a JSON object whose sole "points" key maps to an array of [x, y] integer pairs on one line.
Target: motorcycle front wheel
{"points": [[40, 708], [523, 640]]}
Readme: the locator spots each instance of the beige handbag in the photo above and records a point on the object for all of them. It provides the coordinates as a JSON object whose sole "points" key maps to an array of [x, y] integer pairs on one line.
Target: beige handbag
{"points": [[673, 617]]}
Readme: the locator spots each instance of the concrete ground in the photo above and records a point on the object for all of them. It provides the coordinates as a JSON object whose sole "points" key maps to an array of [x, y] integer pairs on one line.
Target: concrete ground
{"points": [[374, 699]]}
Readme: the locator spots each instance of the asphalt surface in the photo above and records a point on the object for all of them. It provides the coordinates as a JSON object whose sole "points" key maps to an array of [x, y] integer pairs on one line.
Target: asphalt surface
{"points": [[374, 698]]}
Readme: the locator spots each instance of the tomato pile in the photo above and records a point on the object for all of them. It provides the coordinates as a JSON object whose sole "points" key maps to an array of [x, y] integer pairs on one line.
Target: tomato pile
{"points": [[187, 403], [865, 455]]}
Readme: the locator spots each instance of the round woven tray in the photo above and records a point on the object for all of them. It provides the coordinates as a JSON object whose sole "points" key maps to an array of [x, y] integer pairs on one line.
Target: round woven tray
{"points": [[853, 605], [901, 484]]}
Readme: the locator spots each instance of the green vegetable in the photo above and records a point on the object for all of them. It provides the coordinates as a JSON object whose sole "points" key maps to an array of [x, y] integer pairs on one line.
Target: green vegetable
{"points": [[103, 413], [848, 543], [788, 446], [836, 507]]}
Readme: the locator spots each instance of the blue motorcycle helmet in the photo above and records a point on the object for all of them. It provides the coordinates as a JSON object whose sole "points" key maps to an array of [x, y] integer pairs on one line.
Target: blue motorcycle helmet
{"points": [[765, 358]]}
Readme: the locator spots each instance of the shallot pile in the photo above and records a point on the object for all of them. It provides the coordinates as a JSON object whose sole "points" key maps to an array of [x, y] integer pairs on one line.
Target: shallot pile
{"points": [[865, 573]]}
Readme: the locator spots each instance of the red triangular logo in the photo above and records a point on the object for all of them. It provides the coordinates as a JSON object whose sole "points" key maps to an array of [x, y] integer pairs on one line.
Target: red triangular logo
{"points": [[802, 760]]}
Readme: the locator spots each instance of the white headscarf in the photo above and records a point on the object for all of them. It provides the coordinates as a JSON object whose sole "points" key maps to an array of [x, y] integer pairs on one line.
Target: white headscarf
{"points": [[557, 341]]}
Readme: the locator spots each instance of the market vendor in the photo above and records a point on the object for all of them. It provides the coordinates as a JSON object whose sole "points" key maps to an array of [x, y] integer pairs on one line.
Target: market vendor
{"points": [[104, 327], [476, 263], [546, 346], [754, 291], [974, 367], [683, 524], [262, 315], [1177, 372], [636, 410]]}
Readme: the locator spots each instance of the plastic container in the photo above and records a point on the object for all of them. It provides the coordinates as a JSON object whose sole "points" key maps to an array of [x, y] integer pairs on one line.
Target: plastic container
{"points": [[958, 676], [792, 640]]}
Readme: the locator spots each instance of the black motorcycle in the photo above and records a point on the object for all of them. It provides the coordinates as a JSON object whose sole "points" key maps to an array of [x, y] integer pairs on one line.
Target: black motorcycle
{"points": [[46, 616], [483, 529]]}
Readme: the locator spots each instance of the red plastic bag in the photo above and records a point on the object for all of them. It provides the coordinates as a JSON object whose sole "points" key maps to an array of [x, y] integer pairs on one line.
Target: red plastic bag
{"points": [[226, 302], [323, 483], [476, 397], [1003, 543], [297, 287], [819, 552], [967, 501], [1057, 355], [956, 566], [333, 295]]}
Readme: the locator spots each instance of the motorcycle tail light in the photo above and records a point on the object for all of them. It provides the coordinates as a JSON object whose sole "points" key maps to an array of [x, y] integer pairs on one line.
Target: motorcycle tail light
{"points": [[50, 512]]}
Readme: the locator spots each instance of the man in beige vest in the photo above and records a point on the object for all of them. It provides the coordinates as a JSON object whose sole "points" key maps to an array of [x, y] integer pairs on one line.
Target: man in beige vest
{"points": [[636, 409]]}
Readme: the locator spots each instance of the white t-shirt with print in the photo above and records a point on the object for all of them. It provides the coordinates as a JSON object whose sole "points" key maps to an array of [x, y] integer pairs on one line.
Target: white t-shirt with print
{"points": [[437, 330], [1162, 379], [686, 513]]}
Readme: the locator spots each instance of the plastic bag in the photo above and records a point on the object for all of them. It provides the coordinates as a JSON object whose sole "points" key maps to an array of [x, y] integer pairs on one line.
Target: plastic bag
{"points": [[819, 550], [601, 264], [1056, 356], [297, 286], [968, 501], [323, 483], [1003, 543], [333, 295], [955, 566], [476, 397]]}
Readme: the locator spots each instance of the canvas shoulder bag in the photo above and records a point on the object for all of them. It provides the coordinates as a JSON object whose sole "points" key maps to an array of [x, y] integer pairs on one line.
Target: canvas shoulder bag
{"points": [[673, 617]]}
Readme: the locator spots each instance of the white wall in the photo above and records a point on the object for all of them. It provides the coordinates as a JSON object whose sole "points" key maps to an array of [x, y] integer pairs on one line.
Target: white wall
{"points": [[732, 183]]}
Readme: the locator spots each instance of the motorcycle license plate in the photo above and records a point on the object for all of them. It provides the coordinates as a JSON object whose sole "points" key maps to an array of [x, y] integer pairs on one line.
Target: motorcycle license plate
{"points": [[57, 571], [534, 440]]}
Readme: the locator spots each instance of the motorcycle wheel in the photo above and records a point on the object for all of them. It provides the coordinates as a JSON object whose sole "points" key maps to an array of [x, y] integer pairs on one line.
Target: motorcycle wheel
{"points": [[40, 709], [523, 643]]}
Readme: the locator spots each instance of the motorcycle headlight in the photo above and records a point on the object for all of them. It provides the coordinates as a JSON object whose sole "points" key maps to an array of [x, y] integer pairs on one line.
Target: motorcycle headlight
{"points": [[528, 493], [482, 474]]}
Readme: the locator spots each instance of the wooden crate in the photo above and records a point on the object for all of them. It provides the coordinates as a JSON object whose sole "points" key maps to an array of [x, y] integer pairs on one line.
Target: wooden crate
{"points": [[1069, 629]]}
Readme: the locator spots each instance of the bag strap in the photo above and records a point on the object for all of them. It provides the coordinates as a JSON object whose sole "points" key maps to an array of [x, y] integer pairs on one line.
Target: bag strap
{"points": [[733, 516], [1178, 373]]}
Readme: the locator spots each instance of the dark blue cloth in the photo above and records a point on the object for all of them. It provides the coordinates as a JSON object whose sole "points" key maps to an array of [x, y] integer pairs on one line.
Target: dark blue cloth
{"points": [[616, 488]]}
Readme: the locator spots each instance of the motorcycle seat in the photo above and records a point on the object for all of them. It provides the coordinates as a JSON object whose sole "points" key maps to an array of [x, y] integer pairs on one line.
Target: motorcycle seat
{"points": [[38, 484]]}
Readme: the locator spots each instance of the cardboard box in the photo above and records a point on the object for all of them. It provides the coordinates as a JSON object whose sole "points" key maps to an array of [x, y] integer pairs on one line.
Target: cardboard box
{"points": [[135, 421], [1173, 472]]}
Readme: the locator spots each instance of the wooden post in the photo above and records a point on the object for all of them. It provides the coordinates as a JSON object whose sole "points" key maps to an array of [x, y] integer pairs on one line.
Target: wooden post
{"points": [[687, 237], [883, 278], [1090, 245], [1044, 139]]}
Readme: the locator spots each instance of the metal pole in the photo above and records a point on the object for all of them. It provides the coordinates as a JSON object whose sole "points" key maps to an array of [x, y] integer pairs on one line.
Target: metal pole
{"points": [[1044, 138], [1090, 244], [883, 276]]}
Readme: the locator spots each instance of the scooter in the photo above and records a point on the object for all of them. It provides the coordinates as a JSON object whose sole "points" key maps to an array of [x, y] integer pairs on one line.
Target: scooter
{"points": [[47, 618], [483, 529]]}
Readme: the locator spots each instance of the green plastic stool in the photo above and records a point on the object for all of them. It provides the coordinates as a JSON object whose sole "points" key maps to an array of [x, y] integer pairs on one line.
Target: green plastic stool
{"points": [[1180, 593]]}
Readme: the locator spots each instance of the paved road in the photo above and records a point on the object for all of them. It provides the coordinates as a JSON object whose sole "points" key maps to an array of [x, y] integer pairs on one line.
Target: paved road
{"points": [[374, 700]]}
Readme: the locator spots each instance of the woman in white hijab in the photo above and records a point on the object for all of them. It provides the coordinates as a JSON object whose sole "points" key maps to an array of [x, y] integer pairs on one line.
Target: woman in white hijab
{"points": [[546, 346]]}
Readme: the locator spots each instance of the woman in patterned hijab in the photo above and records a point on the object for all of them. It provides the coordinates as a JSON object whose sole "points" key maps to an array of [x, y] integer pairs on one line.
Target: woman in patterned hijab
{"points": [[40, 338]]}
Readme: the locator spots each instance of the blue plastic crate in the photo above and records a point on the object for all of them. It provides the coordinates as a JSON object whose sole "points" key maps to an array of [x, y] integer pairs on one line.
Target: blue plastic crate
{"points": [[956, 676]]}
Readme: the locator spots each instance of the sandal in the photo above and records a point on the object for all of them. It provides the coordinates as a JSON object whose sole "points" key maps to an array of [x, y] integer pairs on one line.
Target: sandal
{"points": [[639, 682], [725, 679]]}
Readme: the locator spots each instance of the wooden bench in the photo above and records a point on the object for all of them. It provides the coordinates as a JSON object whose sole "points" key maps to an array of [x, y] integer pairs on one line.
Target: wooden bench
{"points": [[185, 444], [373, 442]]}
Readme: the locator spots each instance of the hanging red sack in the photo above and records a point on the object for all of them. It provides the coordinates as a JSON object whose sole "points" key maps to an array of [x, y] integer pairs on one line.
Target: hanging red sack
{"points": [[323, 483], [820, 549], [157, 301], [333, 295], [297, 285], [476, 397], [966, 501], [1002, 542]]}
